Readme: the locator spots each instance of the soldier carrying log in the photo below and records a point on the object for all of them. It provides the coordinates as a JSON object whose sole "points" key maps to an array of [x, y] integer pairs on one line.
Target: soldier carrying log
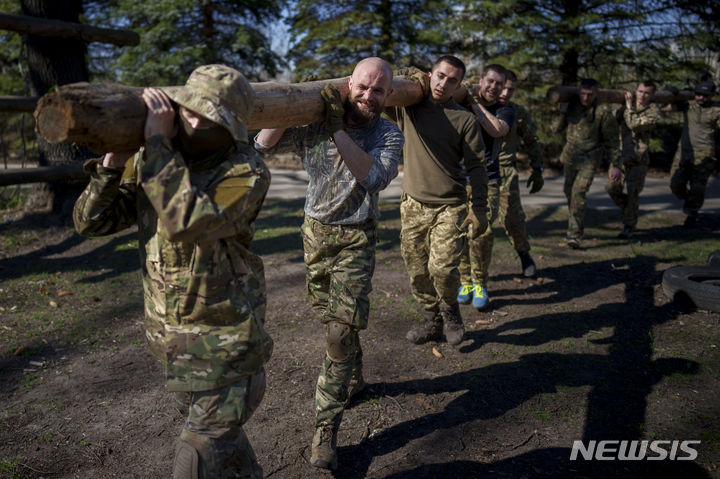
{"points": [[194, 190]]}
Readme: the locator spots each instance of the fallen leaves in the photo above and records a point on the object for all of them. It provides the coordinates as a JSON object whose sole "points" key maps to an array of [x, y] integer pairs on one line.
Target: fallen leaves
{"points": [[436, 352]]}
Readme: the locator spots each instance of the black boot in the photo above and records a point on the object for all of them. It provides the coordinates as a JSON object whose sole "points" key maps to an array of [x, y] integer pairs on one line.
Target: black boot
{"points": [[430, 330], [528, 265]]}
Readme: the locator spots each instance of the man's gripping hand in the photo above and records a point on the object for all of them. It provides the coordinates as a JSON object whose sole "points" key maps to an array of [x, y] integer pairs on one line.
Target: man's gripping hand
{"points": [[478, 220], [472, 97], [334, 110], [536, 181], [415, 75]]}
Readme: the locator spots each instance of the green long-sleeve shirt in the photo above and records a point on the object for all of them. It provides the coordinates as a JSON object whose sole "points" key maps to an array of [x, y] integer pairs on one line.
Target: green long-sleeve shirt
{"points": [[438, 138]]}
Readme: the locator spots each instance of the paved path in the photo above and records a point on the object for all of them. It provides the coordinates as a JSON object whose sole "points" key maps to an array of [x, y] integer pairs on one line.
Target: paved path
{"points": [[656, 195]]}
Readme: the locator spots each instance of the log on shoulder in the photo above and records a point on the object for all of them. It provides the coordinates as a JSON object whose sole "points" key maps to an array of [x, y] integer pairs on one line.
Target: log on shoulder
{"points": [[563, 94], [110, 117]]}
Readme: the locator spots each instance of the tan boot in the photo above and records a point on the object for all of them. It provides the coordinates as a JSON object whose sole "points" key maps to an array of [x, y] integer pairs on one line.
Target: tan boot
{"points": [[324, 448]]}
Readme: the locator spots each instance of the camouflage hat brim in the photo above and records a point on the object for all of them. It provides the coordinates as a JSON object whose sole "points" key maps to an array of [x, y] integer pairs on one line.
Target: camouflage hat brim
{"points": [[201, 103]]}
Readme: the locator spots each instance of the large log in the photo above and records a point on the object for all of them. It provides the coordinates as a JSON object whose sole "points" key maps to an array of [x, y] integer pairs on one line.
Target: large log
{"points": [[563, 94], [41, 174], [45, 27], [110, 117], [18, 104]]}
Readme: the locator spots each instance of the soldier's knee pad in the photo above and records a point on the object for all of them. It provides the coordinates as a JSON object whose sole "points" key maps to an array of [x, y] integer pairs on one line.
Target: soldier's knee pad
{"points": [[187, 462], [341, 340]]}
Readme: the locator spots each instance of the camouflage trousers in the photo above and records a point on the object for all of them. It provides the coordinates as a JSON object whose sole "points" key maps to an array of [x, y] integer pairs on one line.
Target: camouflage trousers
{"points": [[213, 428], [431, 243], [339, 265], [633, 182], [579, 174], [504, 204], [688, 181]]}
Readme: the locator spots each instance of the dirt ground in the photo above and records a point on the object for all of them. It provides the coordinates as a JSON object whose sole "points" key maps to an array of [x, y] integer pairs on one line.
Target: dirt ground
{"points": [[590, 350]]}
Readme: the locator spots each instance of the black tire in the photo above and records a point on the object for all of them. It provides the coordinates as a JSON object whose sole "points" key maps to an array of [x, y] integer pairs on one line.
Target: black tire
{"points": [[714, 259], [699, 285]]}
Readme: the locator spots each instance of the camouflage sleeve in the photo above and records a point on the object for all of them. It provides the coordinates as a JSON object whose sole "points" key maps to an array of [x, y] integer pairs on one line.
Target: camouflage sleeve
{"points": [[387, 156], [611, 137], [641, 121], [527, 131], [474, 157], [187, 213], [107, 204]]}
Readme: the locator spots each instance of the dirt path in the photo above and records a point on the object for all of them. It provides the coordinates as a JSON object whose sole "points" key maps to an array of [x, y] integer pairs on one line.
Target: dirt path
{"points": [[592, 351]]}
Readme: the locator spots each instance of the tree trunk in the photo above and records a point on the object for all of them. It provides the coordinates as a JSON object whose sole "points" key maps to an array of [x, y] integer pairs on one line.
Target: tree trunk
{"points": [[111, 117], [51, 62]]}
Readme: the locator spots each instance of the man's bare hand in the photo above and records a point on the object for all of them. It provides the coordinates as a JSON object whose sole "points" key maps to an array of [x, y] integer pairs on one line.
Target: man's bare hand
{"points": [[116, 160], [615, 174], [160, 115], [629, 103]]}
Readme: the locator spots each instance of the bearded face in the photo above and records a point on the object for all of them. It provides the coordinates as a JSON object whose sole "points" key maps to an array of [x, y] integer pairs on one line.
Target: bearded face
{"points": [[361, 110]]}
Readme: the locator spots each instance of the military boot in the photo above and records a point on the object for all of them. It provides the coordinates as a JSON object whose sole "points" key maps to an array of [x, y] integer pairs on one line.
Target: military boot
{"points": [[430, 330], [453, 327], [324, 447]]}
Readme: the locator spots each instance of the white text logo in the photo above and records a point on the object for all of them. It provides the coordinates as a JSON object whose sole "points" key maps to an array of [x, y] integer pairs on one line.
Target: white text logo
{"points": [[634, 450]]}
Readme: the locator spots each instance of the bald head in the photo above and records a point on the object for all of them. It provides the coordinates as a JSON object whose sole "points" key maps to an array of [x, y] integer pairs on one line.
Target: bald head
{"points": [[370, 85], [374, 66]]}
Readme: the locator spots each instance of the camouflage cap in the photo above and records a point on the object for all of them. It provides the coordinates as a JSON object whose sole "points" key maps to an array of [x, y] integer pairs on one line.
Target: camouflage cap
{"points": [[219, 93], [705, 88]]}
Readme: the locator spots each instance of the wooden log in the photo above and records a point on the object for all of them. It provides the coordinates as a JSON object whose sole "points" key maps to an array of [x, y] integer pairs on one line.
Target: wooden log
{"points": [[45, 27], [18, 104], [40, 174], [563, 94], [110, 117]]}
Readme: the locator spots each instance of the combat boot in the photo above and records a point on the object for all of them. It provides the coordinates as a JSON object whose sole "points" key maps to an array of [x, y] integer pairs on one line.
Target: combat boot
{"points": [[324, 448], [527, 264], [453, 327], [431, 329]]}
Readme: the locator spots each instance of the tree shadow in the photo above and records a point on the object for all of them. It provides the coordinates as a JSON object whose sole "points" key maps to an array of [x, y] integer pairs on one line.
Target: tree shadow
{"points": [[620, 383]]}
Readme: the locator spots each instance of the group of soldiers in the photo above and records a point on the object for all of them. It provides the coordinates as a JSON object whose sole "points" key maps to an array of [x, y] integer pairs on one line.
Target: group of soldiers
{"points": [[198, 184], [595, 131]]}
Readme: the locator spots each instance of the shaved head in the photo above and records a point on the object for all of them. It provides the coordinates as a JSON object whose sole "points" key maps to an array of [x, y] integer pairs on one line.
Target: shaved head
{"points": [[374, 66], [370, 84]]}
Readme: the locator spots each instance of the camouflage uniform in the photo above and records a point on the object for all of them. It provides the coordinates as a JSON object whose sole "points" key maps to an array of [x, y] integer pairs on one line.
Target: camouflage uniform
{"points": [[339, 237], [204, 290], [591, 133], [696, 157], [504, 199], [636, 125]]}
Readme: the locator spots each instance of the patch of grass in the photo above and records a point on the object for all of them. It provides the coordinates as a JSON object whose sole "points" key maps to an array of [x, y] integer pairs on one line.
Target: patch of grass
{"points": [[542, 415], [47, 436], [29, 381], [10, 467]]}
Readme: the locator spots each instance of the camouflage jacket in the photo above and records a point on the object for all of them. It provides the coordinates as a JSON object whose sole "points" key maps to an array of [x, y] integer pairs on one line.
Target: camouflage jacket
{"points": [[334, 195], [635, 129], [204, 289], [524, 130], [699, 123], [591, 133]]}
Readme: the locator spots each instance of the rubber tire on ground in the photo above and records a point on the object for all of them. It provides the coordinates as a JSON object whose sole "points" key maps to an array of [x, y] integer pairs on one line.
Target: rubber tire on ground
{"points": [[714, 259], [699, 285]]}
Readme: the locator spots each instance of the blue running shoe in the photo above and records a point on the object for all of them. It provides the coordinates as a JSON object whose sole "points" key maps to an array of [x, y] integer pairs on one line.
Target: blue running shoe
{"points": [[465, 294], [480, 297]]}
